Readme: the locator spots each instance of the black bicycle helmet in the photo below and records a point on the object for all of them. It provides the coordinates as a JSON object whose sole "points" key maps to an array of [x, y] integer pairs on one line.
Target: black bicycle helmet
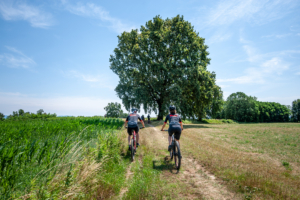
{"points": [[172, 108], [134, 110]]}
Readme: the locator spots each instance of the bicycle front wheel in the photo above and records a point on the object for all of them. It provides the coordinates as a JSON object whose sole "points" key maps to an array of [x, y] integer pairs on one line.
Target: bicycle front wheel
{"points": [[177, 155]]}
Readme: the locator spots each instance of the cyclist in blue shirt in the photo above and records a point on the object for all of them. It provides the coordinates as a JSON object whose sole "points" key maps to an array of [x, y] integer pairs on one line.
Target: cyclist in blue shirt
{"points": [[132, 121], [175, 125]]}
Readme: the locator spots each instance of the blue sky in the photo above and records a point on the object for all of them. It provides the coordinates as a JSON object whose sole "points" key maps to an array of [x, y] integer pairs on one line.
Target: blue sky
{"points": [[54, 54]]}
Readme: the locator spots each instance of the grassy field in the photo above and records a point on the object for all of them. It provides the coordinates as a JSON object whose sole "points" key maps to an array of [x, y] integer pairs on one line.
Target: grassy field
{"points": [[60, 158], [87, 158], [261, 161]]}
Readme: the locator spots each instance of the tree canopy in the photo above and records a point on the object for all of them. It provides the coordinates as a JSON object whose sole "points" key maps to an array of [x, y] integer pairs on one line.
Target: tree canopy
{"points": [[40, 111], [165, 63], [296, 110], [243, 108], [1, 116], [21, 115], [113, 109]]}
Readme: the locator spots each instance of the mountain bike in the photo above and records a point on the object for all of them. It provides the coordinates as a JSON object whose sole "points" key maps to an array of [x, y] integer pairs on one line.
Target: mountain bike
{"points": [[175, 152], [133, 144]]}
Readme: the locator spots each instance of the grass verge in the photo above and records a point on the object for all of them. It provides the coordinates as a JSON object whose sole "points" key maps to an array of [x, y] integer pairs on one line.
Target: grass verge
{"points": [[210, 121], [261, 161]]}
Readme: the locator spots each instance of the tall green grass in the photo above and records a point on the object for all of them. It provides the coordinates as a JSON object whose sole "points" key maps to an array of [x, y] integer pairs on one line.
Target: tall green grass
{"points": [[37, 156]]}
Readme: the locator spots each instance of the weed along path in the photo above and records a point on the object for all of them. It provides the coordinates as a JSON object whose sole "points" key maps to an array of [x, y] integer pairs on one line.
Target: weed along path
{"points": [[153, 176]]}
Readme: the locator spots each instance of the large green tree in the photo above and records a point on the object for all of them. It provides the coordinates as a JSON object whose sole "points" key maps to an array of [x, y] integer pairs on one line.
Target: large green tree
{"points": [[113, 109], [40, 111], [1, 116], [242, 108], [296, 110], [163, 63], [21, 112]]}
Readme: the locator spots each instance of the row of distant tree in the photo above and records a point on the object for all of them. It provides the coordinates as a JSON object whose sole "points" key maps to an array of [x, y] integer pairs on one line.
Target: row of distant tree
{"points": [[238, 106], [243, 108], [114, 110], [22, 115]]}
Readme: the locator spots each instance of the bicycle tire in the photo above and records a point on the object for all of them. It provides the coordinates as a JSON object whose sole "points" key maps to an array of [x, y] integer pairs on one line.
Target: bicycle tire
{"points": [[172, 152], [132, 150], [177, 155]]}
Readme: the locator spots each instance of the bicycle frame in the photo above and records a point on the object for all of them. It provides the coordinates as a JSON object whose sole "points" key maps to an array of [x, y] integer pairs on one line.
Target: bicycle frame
{"points": [[133, 144], [173, 153], [134, 139]]}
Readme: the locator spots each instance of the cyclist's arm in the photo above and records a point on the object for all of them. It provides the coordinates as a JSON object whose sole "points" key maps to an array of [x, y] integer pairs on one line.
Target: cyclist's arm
{"points": [[126, 121], [181, 123], [162, 128], [143, 123]]}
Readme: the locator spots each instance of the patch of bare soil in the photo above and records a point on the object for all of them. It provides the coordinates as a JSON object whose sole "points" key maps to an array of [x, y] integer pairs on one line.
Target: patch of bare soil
{"points": [[200, 183], [124, 190]]}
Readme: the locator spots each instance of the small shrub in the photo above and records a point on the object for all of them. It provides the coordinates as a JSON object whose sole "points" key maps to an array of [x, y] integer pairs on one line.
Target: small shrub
{"points": [[286, 164]]}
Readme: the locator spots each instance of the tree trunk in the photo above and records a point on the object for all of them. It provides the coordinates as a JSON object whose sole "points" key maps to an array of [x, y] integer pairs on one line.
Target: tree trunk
{"points": [[200, 115], [160, 111]]}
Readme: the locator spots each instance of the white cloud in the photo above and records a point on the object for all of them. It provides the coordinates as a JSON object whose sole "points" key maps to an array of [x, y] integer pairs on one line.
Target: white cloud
{"points": [[96, 80], [219, 37], [86, 77], [275, 65], [251, 53], [298, 73], [75, 105], [255, 11], [97, 12], [11, 10], [253, 75], [295, 28], [258, 75], [277, 36], [16, 59]]}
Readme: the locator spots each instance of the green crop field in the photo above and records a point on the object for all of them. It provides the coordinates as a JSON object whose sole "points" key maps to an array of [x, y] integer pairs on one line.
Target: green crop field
{"points": [[39, 158]]}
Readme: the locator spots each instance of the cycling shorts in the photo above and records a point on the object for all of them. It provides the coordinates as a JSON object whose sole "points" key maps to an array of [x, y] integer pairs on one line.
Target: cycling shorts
{"points": [[176, 131], [130, 129]]}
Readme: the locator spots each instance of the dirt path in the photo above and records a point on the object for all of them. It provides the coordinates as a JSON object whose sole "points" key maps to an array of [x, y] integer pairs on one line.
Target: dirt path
{"points": [[199, 182], [128, 175]]}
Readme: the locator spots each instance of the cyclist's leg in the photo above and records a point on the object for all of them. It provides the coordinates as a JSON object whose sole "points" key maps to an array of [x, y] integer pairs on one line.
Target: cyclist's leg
{"points": [[170, 131], [170, 136], [177, 134], [129, 131]]}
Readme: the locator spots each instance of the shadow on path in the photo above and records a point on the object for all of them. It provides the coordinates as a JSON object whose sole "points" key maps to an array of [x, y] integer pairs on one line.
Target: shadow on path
{"points": [[165, 164], [187, 126]]}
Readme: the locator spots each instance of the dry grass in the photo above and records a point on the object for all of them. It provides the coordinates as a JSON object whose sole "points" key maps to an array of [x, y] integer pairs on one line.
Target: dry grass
{"points": [[261, 161]]}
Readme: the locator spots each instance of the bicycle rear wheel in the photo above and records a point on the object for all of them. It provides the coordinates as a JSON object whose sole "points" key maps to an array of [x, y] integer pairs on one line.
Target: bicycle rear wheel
{"points": [[132, 149], [177, 155], [172, 152]]}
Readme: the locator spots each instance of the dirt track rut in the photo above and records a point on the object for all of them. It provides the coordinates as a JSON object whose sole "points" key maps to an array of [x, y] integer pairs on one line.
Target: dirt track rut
{"points": [[201, 183]]}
